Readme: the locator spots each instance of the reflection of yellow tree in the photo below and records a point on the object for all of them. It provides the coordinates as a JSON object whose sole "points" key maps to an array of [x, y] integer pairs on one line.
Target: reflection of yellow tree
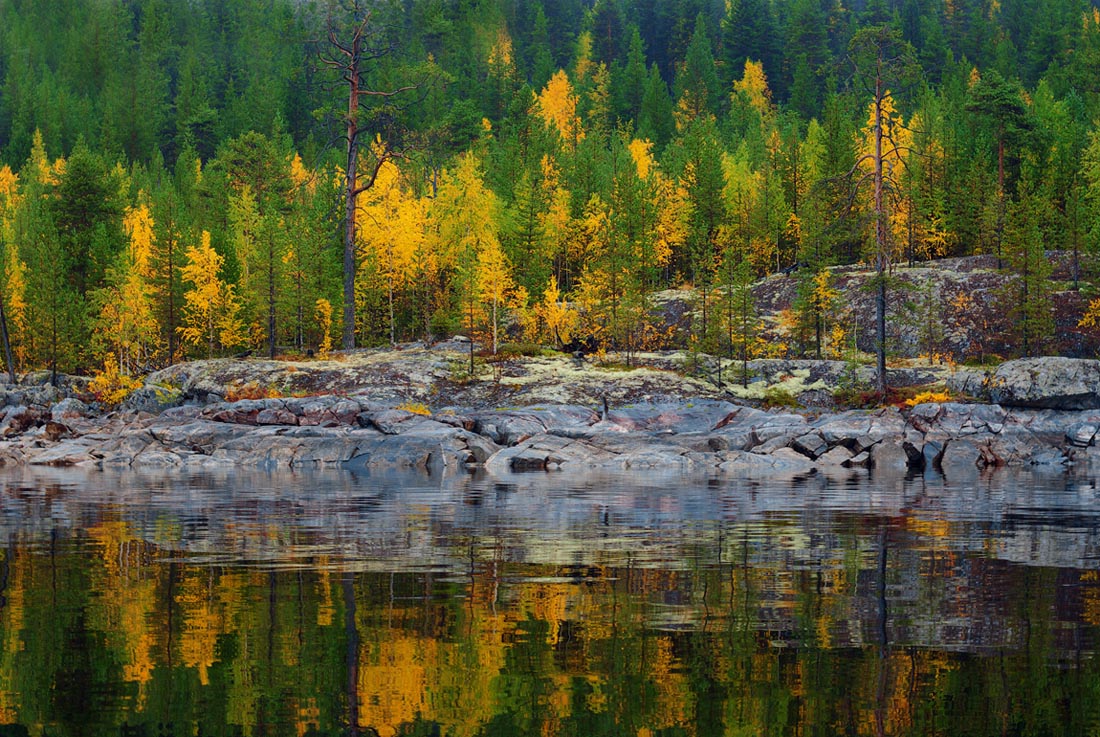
{"points": [[203, 621], [12, 616], [124, 614]]}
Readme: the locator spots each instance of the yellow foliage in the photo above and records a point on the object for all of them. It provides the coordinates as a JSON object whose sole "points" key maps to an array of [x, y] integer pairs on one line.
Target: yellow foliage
{"points": [[44, 172], [211, 309], [753, 86], [494, 281], [110, 386], [836, 342], [501, 56], [557, 106], [560, 321], [392, 223], [673, 209], [927, 397], [251, 390], [642, 153], [9, 190], [417, 408], [138, 223], [300, 175], [583, 65], [15, 276], [323, 311], [1091, 318], [897, 141]]}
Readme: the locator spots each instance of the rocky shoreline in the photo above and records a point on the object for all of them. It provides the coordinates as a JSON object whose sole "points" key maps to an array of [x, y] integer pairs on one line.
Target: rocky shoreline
{"points": [[1047, 414]]}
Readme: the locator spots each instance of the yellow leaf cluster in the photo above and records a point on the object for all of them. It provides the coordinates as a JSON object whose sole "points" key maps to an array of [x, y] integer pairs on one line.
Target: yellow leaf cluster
{"points": [[1091, 318], [642, 154], [129, 325], [560, 321], [15, 276], [110, 386], [392, 223], [300, 176], [927, 398], [9, 190], [753, 86], [138, 224], [211, 309], [501, 55], [323, 312], [897, 141], [557, 106]]}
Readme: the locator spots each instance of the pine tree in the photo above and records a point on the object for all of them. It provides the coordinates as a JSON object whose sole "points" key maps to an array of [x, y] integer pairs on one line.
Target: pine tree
{"points": [[1028, 297]]}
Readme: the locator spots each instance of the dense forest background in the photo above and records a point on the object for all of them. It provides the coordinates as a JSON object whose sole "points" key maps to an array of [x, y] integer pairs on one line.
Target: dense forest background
{"points": [[172, 174]]}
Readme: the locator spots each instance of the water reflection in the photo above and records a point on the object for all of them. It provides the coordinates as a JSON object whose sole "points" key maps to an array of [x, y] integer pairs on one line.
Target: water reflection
{"points": [[552, 605]]}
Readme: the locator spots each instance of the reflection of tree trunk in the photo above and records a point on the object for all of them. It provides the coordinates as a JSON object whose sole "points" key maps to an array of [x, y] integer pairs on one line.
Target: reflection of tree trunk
{"points": [[272, 610], [883, 637], [351, 644]]}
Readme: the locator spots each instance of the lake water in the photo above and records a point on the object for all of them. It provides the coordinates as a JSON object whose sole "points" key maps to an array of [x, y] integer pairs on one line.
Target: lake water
{"points": [[640, 605]]}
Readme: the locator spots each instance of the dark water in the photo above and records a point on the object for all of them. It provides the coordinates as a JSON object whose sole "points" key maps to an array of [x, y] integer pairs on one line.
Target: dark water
{"points": [[636, 605]]}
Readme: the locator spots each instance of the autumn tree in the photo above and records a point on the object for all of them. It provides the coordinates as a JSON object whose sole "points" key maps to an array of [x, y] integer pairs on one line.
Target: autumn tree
{"points": [[358, 44], [557, 107], [880, 58], [12, 284], [465, 228], [211, 308], [55, 309], [393, 223], [127, 326]]}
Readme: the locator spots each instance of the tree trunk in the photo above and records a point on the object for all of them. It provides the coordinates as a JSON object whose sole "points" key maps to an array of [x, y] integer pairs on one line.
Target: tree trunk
{"points": [[351, 651], [349, 223], [271, 303], [171, 300], [880, 250], [8, 359]]}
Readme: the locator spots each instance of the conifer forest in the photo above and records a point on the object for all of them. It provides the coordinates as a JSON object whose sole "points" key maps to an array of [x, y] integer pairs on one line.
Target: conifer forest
{"points": [[191, 178]]}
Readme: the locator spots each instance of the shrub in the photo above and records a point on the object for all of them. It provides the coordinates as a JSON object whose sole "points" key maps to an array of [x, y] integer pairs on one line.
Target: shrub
{"points": [[776, 396], [251, 390], [927, 397], [110, 386]]}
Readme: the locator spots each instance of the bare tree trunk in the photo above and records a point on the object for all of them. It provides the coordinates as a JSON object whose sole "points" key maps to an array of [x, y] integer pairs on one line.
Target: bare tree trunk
{"points": [[351, 196], [271, 300], [8, 359], [880, 249]]}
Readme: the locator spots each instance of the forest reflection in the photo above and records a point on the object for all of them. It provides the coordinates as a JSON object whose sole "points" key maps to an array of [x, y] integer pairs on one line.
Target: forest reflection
{"points": [[636, 612]]}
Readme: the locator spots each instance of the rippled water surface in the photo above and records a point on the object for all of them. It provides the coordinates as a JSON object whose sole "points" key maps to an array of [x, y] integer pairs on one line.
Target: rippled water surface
{"points": [[641, 605]]}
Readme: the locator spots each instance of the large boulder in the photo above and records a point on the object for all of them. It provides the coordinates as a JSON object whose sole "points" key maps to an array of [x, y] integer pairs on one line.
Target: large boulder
{"points": [[1050, 382]]}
